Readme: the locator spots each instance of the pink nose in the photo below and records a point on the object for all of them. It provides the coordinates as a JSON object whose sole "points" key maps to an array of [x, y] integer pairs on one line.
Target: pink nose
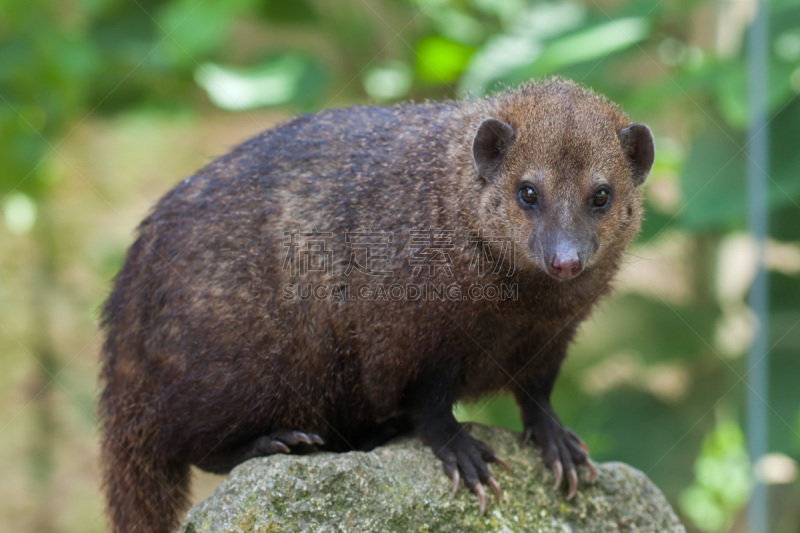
{"points": [[565, 267]]}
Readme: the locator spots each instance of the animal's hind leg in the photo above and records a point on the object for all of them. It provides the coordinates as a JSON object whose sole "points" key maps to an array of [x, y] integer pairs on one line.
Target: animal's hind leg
{"points": [[283, 441]]}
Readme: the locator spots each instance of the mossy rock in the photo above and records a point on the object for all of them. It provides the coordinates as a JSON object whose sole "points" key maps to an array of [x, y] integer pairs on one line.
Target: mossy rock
{"points": [[401, 487]]}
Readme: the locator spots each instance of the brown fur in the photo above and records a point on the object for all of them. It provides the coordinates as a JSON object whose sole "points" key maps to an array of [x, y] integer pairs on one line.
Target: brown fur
{"points": [[202, 353]]}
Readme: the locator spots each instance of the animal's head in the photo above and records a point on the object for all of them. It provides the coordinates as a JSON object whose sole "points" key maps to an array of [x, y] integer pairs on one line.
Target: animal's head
{"points": [[561, 169]]}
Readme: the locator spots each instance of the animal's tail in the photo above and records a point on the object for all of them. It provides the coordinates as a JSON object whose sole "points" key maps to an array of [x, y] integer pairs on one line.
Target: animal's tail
{"points": [[144, 493]]}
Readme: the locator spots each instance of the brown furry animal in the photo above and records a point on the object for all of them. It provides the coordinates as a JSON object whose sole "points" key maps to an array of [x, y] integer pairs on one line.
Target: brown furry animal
{"points": [[255, 312]]}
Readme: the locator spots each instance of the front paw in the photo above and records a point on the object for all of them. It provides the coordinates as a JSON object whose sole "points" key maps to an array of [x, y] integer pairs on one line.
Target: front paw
{"points": [[468, 456], [562, 450]]}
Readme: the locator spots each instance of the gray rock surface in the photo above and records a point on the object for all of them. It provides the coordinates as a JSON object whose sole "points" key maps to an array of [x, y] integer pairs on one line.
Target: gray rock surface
{"points": [[400, 487]]}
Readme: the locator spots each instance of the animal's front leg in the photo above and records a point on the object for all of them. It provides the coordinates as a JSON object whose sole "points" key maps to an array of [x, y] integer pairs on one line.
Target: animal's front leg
{"points": [[430, 405], [562, 449]]}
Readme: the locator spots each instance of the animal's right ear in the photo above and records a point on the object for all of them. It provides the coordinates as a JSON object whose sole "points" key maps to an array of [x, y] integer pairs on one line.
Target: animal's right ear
{"points": [[491, 141], [637, 142]]}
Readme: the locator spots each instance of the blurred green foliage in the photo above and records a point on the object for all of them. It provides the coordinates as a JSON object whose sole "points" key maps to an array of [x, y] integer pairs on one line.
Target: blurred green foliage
{"points": [[652, 370], [722, 482]]}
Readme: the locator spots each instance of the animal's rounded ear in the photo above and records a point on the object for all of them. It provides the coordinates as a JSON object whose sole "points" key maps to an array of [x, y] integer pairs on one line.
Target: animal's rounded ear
{"points": [[637, 142], [491, 141]]}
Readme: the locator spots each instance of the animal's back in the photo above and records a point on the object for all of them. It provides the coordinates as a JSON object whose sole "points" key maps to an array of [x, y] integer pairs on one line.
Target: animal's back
{"points": [[199, 293]]}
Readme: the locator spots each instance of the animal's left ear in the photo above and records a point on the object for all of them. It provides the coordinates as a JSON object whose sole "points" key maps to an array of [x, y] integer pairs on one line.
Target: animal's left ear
{"points": [[491, 141], [637, 142]]}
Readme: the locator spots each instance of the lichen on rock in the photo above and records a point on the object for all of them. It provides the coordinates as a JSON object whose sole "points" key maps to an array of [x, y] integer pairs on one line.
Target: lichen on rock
{"points": [[400, 487]]}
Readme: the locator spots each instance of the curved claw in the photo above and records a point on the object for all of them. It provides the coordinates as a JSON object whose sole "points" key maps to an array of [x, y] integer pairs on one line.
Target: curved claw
{"points": [[316, 439], [481, 497], [281, 447], [456, 480], [592, 471], [302, 437], [498, 460], [558, 472], [572, 476], [526, 437], [496, 488]]}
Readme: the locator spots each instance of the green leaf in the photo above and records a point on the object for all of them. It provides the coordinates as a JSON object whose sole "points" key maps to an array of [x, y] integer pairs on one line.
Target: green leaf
{"points": [[722, 481], [285, 79], [520, 55], [441, 60], [506, 56], [598, 41]]}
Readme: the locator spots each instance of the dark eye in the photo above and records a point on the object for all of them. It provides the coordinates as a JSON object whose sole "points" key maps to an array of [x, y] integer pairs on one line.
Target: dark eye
{"points": [[601, 197], [528, 196]]}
